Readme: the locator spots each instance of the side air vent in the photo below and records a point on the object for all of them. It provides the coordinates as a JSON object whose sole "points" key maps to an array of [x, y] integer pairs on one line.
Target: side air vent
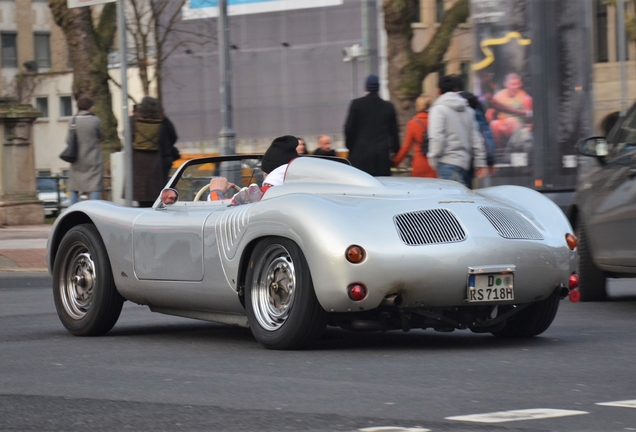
{"points": [[510, 223], [428, 227]]}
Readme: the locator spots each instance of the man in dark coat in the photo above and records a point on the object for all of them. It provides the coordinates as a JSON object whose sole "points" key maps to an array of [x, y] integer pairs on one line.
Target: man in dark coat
{"points": [[371, 131]]}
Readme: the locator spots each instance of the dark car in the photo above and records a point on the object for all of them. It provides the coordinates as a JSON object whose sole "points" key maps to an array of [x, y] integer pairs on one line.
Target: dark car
{"points": [[603, 210]]}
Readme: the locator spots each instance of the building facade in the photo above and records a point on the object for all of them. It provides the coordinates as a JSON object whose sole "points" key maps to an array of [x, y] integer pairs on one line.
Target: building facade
{"points": [[35, 68]]}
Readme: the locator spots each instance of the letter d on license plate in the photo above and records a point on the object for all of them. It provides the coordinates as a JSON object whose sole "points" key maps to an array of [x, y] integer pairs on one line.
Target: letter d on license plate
{"points": [[490, 287]]}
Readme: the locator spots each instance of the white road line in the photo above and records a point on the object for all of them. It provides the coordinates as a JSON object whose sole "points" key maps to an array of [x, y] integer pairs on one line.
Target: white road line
{"points": [[516, 415], [622, 404], [393, 429]]}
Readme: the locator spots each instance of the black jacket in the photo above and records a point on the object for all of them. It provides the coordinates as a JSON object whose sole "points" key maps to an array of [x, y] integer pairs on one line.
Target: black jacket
{"points": [[371, 134]]}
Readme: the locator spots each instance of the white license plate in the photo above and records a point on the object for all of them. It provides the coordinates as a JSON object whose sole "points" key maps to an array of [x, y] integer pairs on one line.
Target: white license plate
{"points": [[490, 287]]}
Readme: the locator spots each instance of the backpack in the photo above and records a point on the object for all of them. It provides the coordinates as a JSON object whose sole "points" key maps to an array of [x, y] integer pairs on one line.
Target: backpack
{"points": [[147, 134], [424, 141]]}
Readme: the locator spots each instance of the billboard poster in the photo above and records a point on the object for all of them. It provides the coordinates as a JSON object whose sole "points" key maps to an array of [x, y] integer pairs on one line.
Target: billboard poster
{"points": [[195, 9], [501, 77]]}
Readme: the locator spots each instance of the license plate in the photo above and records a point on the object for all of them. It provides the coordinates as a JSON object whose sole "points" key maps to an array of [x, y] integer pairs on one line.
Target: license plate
{"points": [[490, 287]]}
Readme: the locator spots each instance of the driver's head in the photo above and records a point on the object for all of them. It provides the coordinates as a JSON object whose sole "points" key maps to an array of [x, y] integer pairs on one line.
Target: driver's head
{"points": [[280, 152]]}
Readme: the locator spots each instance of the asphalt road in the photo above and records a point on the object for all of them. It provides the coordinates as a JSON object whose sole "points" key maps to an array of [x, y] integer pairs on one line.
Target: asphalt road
{"points": [[155, 372]]}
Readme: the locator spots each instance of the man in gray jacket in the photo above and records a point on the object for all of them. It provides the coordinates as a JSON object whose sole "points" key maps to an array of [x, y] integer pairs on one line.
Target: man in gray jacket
{"points": [[455, 143]]}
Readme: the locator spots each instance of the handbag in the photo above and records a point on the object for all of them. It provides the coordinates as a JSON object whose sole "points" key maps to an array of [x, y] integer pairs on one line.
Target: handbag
{"points": [[70, 153]]}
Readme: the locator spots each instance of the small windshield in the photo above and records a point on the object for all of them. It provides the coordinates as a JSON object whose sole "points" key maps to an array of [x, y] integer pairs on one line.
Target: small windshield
{"points": [[46, 185]]}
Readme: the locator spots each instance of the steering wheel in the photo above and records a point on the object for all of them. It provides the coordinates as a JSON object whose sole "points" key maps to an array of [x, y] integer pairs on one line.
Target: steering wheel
{"points": [[197, 197]]}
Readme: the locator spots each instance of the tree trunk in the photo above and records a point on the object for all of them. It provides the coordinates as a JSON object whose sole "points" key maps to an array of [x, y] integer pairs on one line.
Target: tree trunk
{"points": [[407, 69], [89, 46]]}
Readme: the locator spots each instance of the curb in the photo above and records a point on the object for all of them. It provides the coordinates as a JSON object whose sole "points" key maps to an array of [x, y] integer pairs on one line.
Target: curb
{"points": [[23, 270]]}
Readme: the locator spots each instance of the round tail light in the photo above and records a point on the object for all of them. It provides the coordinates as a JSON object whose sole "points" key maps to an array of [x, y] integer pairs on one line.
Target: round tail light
{"points": [[572, 241], [574, 281], [574, 296], [355, 254], [357, 291]]}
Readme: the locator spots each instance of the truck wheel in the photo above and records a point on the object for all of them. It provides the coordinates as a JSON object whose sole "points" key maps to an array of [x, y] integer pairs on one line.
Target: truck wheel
{"points": [[85, 295], [282, 307], [592, 281], [533, 320]]}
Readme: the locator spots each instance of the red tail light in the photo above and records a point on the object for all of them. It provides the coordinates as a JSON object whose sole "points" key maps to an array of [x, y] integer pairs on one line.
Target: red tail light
{"points": [[357, 291], [574, 281], [574, 296]]}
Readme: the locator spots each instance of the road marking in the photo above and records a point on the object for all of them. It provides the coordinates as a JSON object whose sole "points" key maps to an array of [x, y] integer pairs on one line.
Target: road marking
{"points": [[393, 429], [622, 404], [516, 415]]}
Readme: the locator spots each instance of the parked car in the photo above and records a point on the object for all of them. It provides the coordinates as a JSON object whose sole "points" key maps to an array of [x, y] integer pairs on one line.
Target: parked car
{"points": [[332, 246], [603, 210], [53, 200]]}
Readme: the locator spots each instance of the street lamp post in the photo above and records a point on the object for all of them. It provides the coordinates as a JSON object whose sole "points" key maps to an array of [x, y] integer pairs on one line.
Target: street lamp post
{"points": [[227, 136]]}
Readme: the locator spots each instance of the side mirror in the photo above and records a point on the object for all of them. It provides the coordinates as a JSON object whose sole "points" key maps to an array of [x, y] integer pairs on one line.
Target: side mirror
{"points": [[593, 146], [169, 196]]}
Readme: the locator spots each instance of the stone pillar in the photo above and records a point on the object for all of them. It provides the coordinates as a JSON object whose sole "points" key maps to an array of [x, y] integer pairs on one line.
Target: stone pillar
{"points": [[19, 204]]}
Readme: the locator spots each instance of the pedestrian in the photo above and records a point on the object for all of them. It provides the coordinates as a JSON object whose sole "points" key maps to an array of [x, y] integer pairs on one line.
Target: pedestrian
{"points": [[154, 137], [274, 166], [87, 172], [454, 139], [371, 131], [484, 129], [324, 147], [302, 146], [416, 137]]}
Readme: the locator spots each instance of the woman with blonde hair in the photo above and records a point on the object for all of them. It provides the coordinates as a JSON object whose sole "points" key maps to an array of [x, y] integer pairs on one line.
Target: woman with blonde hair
{"points": [[416, 137]]}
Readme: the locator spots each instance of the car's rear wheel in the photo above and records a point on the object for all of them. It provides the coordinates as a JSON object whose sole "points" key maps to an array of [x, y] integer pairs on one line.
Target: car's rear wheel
{"points": [[282, 307], [85, 295], [592, 281], [533, 320]]}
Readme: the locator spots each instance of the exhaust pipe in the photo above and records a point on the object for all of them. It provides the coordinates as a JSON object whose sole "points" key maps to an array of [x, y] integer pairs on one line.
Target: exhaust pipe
{"points": [[392, 300]]}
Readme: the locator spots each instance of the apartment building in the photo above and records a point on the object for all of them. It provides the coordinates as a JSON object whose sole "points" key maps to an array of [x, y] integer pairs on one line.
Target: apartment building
{"points": [[35, 68]]}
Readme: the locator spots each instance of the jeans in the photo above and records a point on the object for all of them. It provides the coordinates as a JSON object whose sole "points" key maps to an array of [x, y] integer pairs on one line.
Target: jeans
{"points": [[95, 195], [453, 172]]}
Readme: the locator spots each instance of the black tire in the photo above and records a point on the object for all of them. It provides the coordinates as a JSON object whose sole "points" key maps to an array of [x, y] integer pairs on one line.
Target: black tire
{"points": [[85, 295], [592, 281], [533, 320], [283, 313]]}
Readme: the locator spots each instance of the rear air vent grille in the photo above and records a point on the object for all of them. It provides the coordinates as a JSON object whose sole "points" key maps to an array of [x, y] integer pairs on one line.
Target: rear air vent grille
{"points": [[429, 227], [510, 223]]}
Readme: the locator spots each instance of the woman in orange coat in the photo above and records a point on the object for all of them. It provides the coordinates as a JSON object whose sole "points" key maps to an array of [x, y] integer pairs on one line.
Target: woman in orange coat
{"points": [[415, 132]]}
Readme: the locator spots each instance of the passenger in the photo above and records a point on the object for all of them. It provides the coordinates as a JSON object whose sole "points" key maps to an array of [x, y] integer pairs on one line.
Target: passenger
{"points": [[274, 165]]}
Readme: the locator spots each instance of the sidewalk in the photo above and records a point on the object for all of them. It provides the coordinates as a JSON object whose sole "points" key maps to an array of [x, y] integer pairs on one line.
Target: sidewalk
{"points": [[23, 248]]}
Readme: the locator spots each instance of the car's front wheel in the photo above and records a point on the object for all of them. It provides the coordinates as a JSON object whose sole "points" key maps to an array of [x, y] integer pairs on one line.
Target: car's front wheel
{"points": [[591, 278], [281, 304], [85, 295], [533, 320]]}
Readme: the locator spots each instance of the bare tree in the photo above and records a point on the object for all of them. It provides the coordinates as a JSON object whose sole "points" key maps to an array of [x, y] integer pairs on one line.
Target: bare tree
{"points": [[151, 23], [407, 69], [89, 34]]}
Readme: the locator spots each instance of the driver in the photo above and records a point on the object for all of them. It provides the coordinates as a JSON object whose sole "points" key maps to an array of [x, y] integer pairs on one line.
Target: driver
{"points": [[274, 165]]}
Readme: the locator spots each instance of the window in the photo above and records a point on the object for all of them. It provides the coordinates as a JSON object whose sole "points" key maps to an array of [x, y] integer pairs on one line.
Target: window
{"points": [[42, 105], [9, 49], [66, 106], [415, 12], [439, 10], [43, 50], [600, 29]]}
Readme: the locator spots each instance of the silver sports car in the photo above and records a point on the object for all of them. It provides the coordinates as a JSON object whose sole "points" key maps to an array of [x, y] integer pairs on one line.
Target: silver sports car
{"points": [[332, 246]]}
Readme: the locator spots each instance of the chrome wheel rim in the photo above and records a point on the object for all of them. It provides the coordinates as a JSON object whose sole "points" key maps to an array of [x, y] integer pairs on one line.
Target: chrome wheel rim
{"points": [[274, 287], [77, 281]]}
